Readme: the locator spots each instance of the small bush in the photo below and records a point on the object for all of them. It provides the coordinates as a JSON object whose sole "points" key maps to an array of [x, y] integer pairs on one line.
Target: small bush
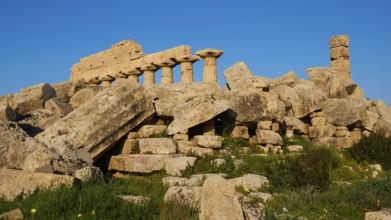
{"points": [[372, 149]]}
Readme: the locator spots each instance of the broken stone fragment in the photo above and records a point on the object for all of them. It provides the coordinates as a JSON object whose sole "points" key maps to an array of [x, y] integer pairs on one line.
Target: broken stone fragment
{"points": [[58, 107], [90, 173], [6, 112], [137, 200], [147, 131], [208, 141], [15, 214], [65, 90], [184, 196], [82, 96], [240, 132], [191, 148], [175, 166], [267, 137], [157, 146]]}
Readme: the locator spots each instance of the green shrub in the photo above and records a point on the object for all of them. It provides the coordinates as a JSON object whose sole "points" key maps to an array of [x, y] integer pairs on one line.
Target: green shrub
{"points": [[372, 149]]}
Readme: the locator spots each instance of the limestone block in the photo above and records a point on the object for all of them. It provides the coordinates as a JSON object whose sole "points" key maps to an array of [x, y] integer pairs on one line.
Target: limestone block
{"points": [[38, 121], [288, 79], [325, 141], [89, 173], [174, 181], [320, 76], [339, 41], [264, 125], [218, 200], [15, 214], [384, 214], [180, 137], [342, 133], [137, 200], [32, 98], [81, 97], [199, 110], [265, 197], [342, 67], [6, 112], [65, 90], [296, 125], [130, 146], [343, 142], [295, 148], [318, 121], [337, 52], [58, 107], [132, 135], [355, 135], [240, 132], [191, 148], [317, 114], [239, 76], [208, 141], [157, 146], [175, 166], [14, 183], [149, 130], [250, 182], [184, 196], [276, 127], [267, 137], [138, 163], [321, 131], [117, 110]]}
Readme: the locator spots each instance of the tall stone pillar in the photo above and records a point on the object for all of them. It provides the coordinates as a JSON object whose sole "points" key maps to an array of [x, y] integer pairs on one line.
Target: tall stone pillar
{"points": [[133, 74], [106, 80], [167, 74], [210, 67], [339, 55], [187, 67], [149, 73]]}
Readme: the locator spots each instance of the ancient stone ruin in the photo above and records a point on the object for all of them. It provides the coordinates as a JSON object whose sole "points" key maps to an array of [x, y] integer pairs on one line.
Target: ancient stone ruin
{"points": [[102, 117]]}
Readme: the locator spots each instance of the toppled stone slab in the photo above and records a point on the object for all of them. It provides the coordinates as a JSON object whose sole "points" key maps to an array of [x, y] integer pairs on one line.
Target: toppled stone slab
{"points": [[157, 146], [250, 182], [58, 107], [138, 163], [208, 141], [296, 125], [267, 137], [32, 98], [184, 195], [99, 123], [65, 90], [90, 173], [82, 96], [14, 183], [175, 166], [15, 214], [38, 121], [218, 200], [191, 148], [6, 112], [195, 112], [147, 131], [239, 76], [384, 214], [137, 200]]}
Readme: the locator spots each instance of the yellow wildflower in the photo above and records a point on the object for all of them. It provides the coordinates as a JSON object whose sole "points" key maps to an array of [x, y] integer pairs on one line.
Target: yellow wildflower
{"points": [[33, 211], [93, 212], [79, 215]]}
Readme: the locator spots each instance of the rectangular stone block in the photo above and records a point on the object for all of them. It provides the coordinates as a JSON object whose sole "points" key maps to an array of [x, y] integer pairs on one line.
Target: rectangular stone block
{"points": [[267, 137], [318, 121], [321, 131], [157, 146], [147, 131], [338, 41], [338, 52], [138, 163], [191, 148], [208, 141], [264, 125], [342, 67], [240, 132], [130, 146]]}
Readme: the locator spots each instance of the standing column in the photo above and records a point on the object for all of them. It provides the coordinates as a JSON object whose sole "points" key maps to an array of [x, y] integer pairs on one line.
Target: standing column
{"points": [[106, 80], [133, 74], [149, 73], [187, 67], [167, 75], [339, 55], [210, 67], [119, 76]]}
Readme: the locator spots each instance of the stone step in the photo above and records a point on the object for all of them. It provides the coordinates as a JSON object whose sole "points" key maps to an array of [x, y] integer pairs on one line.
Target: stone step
{"points": [[139, 163]]}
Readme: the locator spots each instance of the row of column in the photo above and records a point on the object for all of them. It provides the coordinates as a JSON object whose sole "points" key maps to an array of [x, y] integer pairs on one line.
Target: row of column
{"points": [[186, 67]]}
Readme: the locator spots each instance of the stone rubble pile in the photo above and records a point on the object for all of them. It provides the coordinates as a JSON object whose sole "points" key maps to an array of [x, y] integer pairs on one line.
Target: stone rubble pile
{"points": [[124, 127]]}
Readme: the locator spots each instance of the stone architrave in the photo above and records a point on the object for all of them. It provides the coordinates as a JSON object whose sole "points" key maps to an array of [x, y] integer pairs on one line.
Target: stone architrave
{"points": [[210, 66], [100, 122], [187, 67]]}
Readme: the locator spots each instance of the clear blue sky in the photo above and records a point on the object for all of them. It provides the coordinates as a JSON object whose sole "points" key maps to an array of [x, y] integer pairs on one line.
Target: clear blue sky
{"points": [[40, 40]]}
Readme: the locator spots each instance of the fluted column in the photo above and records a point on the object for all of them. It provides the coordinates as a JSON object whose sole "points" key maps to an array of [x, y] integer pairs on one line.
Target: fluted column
{"points": [[149, 73], [167, 74], [210, 66], [187, 67]]}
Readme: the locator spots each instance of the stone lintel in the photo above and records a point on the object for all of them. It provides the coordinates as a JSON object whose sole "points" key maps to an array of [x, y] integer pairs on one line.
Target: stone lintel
{"points": [[166, 63], [186, 58], [209, 52], [148, 67]]}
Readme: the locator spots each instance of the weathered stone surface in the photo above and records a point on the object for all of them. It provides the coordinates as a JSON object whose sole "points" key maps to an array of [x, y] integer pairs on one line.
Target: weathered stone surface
{"points": [[19, 151], [295, 148], [195, 112], [90, 173], [321, 131], [288, 79], [65, 90], [325, 141], [167, 97], [130, 146], [147, 131], [184, 196], [337, 52], [138, 163], [58, 107], [218, 200], [251, 211], [264, 125], [251, 106], [191, 148], [82, 96], [320, 76], [15, 214], [250, 182], [208, 141], [137, 200], [32, 98], [6, 112], [338, 41], [267, 137], [239, 76], [240, 132], [16, 182], [260, 195], [194, 180], [296, 125], [38, 121], [157, 146], [99, 123], [318, 121], [384, 214], [175, 166], [345, 112]]}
